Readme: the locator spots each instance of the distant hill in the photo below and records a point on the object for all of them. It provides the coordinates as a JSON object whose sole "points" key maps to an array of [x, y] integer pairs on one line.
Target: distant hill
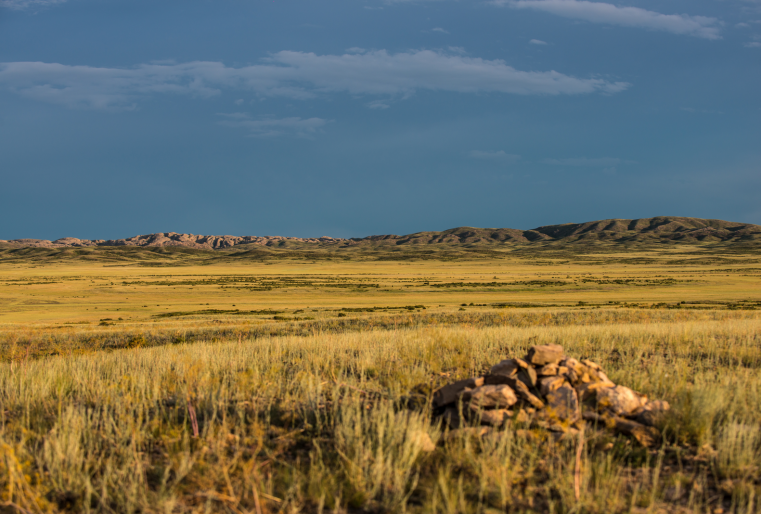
{"points": [[644, 230], [661, 228]]}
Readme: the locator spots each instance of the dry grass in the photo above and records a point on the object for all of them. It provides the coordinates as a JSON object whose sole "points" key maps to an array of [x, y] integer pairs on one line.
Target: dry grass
{"points": [[319, 424], [323, 410]]}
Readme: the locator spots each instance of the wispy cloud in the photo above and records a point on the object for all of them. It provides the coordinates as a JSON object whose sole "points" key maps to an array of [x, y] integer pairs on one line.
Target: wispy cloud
{"points": [[270, 127], [537, 42], [600, 162], [298, 75], [499, 156], [753, 44], [378, 104], [439, 29], [601, 12], [19, 5]]}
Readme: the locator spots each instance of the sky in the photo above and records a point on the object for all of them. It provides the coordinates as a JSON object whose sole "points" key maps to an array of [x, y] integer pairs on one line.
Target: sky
{"points": [[353, 118]]}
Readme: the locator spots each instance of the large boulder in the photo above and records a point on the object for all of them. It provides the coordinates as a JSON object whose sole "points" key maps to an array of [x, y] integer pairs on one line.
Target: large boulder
{"points": [[651, 413], [563, 404], [507, 367], [620, 400], [549, 384], [495, 417], [492, 397], [646, 436], [449, 394], [541, 355]]}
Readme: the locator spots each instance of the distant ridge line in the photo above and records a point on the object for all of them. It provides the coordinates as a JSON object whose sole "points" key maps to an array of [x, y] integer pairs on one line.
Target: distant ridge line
{"points": [[660, 228]]}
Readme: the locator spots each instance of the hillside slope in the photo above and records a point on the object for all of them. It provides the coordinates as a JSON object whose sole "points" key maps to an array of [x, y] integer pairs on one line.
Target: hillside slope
{"points": [[644, 230]]}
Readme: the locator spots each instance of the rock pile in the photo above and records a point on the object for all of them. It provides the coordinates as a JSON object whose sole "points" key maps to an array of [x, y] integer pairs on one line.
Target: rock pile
{"points": [[549, 390]]}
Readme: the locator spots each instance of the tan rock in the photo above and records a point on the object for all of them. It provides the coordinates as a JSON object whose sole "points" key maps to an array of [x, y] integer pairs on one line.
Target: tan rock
{"points": [[651, 413], [522, 416], [588, 390], [452, 418], [450, 392], [646, 436], [591, 365], [492, 397], [549, 384], [563, 404], [496, 417], [523, 393], [475, 432], [527, 376], [548, 370], [620, 400], [422, 440], [541, 355], [507, 367]]}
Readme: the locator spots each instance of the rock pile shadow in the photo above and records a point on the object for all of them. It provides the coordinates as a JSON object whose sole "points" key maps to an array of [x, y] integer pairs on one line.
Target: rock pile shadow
{"points": [[551, 391]]}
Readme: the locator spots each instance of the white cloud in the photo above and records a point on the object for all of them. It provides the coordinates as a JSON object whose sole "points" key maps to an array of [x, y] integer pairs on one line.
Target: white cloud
{"points": [[378, 104], [600, 162], [19, 5], [439, 29], [537, 42], [500, 156], [601, 12], [270, 127], [752, 44], [298, 75]]}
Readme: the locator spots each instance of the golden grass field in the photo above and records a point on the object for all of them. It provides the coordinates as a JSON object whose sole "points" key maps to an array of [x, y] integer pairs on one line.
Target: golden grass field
{"points": [[284, 386]]}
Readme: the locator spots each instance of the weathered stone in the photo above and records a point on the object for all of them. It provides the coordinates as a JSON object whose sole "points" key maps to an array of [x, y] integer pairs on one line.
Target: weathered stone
{"points": [[475, 432], [651, 413], [522, 363], [541, 355], [602, 377], [423, 440], [492, 397], [496, 417], [646, 436], [449, 393], [452, 418], [591, 364], [522, 416], [464, 395], [507, 367], [563, 404], [498, 379], [548, 370], [620, 400], [527, 376], [563, 433], [523, 393], [549, 384], [588, 390]]}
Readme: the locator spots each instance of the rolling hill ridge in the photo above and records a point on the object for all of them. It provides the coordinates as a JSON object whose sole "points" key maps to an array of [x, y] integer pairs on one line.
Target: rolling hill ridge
{"points": [[643, 230]]}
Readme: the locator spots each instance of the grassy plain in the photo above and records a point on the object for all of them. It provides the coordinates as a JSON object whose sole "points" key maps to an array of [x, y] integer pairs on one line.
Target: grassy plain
{"points": [[284, 385]]}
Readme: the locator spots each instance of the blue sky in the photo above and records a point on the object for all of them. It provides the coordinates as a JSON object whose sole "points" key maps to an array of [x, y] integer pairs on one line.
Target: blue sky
{"points": [[352, 118]]}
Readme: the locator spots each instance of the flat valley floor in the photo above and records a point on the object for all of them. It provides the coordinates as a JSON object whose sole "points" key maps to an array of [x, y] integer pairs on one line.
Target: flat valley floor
{"points": [[283, 385]]}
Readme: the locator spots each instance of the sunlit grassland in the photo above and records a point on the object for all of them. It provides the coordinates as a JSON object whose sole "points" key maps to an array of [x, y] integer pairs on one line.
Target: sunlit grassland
{"points": [[319, 423], [71, 292], [276, 387]]}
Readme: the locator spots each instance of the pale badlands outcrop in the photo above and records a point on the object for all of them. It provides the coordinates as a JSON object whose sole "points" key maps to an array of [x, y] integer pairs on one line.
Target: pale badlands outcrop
{"points": [[169, 239], [658, 229]]}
